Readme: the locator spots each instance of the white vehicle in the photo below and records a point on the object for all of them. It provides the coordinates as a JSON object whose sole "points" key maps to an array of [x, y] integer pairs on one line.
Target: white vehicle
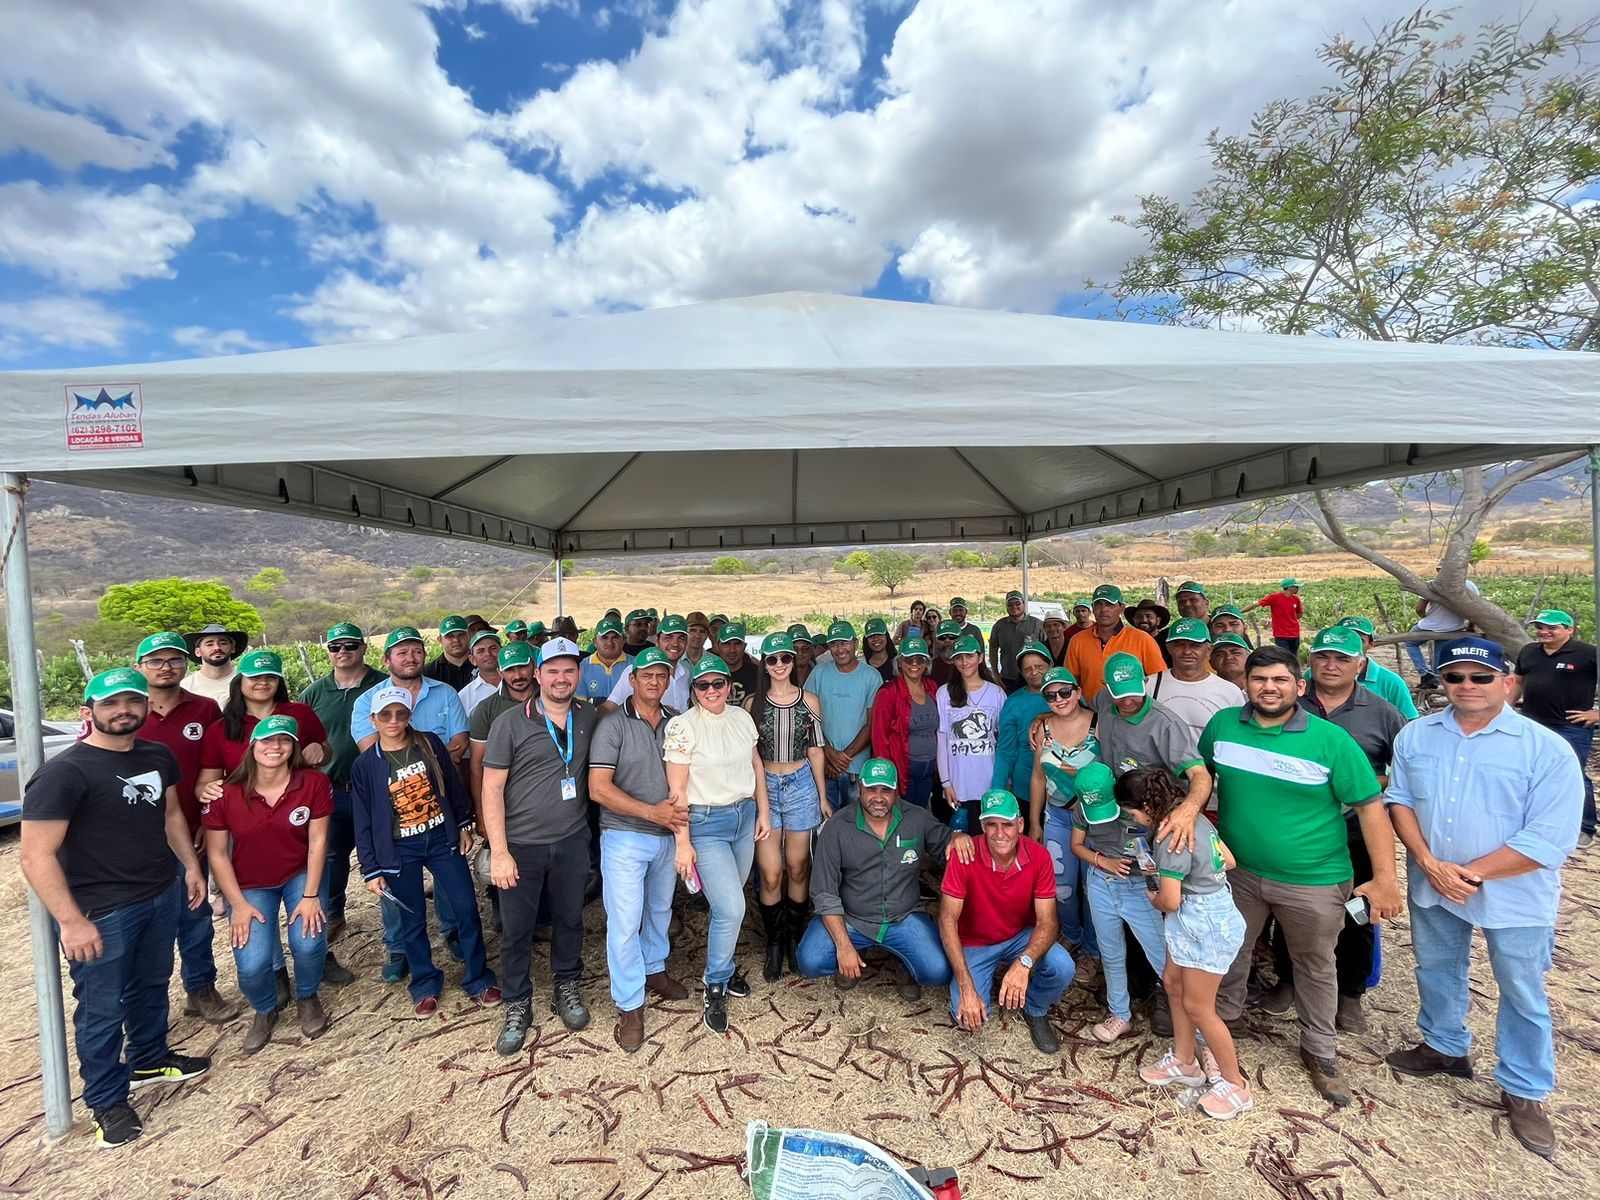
{"points": [[58, 735]]}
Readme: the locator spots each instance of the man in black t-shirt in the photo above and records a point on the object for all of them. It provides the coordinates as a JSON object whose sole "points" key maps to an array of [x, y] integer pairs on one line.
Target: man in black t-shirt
{"points": [[101, 825], [1555, 686], [743, 673]]}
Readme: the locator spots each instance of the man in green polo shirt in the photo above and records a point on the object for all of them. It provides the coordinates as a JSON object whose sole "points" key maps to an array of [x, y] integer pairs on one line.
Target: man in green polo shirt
{"points": [[1375, 677], [1283, 776]]}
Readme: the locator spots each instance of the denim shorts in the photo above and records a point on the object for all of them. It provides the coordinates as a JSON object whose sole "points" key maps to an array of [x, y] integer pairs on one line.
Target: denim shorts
{"points": [[792, 801], [1205, 933]]}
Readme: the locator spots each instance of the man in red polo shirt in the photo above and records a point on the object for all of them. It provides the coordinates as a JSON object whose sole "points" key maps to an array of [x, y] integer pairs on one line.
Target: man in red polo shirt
{"points": [[1286, 608], [178, 719], [1001, 908]]}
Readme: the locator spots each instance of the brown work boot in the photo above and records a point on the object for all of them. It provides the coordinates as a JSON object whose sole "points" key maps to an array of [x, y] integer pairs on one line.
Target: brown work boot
{"points": [[260, 1031], [1325, 1078], [1530, 1124], [629, 1031], [1422, 1060], [665, 986], [207, 1004], [313, 1017]]}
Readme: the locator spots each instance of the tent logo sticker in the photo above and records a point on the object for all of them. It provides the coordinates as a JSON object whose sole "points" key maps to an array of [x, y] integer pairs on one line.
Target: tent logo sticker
{"points": [[105, 416]]}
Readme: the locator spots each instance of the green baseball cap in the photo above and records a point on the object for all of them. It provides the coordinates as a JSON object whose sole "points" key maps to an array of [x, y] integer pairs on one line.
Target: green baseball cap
{"points": [[1124, 676], [162, 641], [879, 773], [733, 631], [1010, 596], [650, 612], [956, 602], [1108, 591], [1553, 616], [777, 643], [517, 626], [999, 804], [537, 629], [1059, 675], [1189, 585], [914, 647], [800, 633], [1229, 639], [638, 614], [406, 633], [261, 662], [608, 626], [1227, 610], [709, 665], [1188, 629], [876, 625], [274, 726], [344, 631], [715, 617], [650, 657], [1290, 582], [452, 624], [841, 631], [1097, 795], [1077, 604], [948, 628], [966, 645], [115, 682], [1360, 625], [480, 635], [672, 623], [1337, 639], [516, 654], [1032, 647]]}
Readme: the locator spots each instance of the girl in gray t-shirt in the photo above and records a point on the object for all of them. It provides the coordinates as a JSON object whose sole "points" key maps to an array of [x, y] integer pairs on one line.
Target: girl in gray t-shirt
{"points": [[1204, 933]]}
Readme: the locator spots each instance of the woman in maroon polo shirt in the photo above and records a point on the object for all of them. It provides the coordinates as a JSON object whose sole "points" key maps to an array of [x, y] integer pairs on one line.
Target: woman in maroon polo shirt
{"points": [[267, 840], [258, 691]]}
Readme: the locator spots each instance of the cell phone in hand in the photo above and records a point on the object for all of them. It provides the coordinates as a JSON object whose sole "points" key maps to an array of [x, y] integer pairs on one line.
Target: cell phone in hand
{"points": [[692, 883], [1360, 910]]}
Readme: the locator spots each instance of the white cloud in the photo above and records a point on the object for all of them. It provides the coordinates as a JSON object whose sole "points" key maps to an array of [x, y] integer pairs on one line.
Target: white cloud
{"points": [[91, 239], [71, 140], [68, 322], [213, 342]]}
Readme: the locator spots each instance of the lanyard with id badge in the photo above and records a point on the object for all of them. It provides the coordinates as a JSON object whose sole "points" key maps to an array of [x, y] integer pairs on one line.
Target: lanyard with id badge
{"points": [[569, 785]]}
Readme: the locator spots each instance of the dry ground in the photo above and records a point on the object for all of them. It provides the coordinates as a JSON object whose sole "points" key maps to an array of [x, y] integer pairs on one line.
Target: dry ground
{"points": [[386, 1104]]}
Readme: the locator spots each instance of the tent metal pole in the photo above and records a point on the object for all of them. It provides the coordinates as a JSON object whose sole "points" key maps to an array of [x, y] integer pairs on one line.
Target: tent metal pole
{"points": [[30, 757], [1025, 593], [561, 610], [1594, 529]]}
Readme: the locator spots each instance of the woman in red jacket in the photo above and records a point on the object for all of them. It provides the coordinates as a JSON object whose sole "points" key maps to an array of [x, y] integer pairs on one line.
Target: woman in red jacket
{"points": [[905, 723]]}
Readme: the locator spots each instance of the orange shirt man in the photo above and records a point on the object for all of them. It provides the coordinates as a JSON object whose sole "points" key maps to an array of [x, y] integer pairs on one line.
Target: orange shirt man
{"points": [[1088, 650]]}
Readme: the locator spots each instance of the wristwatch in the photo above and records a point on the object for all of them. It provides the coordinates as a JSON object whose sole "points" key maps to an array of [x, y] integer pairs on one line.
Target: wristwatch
{"points": [[1026, 960]]}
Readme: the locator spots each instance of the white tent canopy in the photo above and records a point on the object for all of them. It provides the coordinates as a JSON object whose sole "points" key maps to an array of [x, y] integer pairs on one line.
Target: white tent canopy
{"points": [[794, 420]]}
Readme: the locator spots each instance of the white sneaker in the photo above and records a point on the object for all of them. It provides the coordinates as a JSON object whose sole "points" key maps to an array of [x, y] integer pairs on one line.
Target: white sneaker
{"points": [[1110, 1030], [1169, 1071], [1225, 1101]]}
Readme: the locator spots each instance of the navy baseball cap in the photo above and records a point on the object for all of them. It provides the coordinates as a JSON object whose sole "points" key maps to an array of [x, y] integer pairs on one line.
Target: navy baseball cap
{"points": [[1479, 652]]}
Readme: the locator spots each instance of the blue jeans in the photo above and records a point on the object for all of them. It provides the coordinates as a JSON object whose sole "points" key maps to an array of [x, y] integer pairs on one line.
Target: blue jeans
{"points": [[440, 851], [394, 939], [843, 790], [1581, 739], [1072, 899], [253, 960], [1423, 665], [341, 844], [124, 992], [724, 841], [1111, 902], [196, 964], [1050, 977], [1524, 1044], [914, 940], [640, 877], [919, 784]]}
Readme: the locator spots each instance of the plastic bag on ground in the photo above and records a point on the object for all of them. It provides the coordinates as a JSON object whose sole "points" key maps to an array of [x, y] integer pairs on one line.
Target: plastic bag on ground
{"points": [[805, 1164]]}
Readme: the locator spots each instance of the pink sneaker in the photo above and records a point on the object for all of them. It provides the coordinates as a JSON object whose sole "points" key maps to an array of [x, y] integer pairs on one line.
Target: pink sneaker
{"points": [[1110, 1030], [1225, 1100], [1169, 1071], [1208, 1061]]}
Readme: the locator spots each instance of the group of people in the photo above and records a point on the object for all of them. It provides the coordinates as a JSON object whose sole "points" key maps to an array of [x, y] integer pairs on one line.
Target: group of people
{"points": [[993, 810]]}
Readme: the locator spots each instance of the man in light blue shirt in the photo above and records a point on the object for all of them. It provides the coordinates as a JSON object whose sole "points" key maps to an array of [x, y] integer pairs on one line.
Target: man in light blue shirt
{"points": [[846, 688], [1486, 803]]}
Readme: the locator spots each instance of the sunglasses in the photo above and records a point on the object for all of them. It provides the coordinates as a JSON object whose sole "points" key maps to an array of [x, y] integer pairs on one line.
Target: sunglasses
{"points": [[1060, 693], [387, 717], [1478, 677], [780, 659], [710, 685], [344, 647], [946, 637]]}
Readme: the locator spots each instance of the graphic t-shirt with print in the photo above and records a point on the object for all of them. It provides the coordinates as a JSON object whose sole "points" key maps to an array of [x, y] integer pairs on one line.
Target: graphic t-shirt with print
{"points": [[411, 792]]}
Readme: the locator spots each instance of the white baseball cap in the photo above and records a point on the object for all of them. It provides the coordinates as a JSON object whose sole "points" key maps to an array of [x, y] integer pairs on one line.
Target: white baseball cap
{"points": [[382, 697], [558, 648]]}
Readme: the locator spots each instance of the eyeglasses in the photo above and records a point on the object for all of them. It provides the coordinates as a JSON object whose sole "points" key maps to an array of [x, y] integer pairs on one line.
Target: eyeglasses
{"points": [[344, 647], [710, 685], [1060, 693], [387, 717], [1478, 677], [165, 664], [780, 659]]}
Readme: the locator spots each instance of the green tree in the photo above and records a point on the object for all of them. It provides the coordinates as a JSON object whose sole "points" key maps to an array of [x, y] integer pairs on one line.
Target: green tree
{"points": [[1433, 192], [266, 581], [728, 564], [890, 568], [179, 604], [963, 559], [420, 573], [861, 560]]}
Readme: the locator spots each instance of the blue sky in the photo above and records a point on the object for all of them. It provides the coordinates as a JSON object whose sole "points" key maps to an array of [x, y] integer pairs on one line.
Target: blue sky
{"points": [[180, 180]]}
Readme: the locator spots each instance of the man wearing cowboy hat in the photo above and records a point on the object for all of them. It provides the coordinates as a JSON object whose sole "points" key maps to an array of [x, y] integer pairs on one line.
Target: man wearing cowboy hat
{"points": [[214, 648]]}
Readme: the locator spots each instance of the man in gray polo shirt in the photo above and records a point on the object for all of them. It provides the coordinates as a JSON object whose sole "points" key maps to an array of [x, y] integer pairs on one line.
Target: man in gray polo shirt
{"points": [[535, 817], [1007, 637], [1135, 731], [628, 780]]}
